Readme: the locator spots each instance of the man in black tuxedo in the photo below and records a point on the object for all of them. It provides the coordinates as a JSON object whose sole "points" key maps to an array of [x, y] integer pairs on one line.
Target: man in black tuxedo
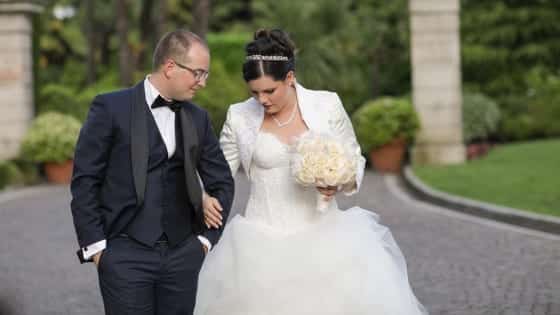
{"points": [[136, 191]]}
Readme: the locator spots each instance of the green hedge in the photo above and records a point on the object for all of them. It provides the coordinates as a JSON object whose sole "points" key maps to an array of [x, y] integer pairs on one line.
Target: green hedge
{"points": [[225, 84], [72, 100], [537, 114], [229, 48], [544, 102], [9, 174]]}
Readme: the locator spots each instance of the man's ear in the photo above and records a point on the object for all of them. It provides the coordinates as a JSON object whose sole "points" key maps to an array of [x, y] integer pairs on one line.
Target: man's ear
{"points": [[167, 68]]}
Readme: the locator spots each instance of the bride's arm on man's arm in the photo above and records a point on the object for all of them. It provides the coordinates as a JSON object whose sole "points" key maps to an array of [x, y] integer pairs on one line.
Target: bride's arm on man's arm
{"points": [[343, 127], [212, 211], [228, 143], [215, 175]]}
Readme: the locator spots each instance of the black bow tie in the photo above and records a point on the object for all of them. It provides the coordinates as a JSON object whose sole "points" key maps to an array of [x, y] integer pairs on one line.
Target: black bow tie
{"points": [[161, 102]]}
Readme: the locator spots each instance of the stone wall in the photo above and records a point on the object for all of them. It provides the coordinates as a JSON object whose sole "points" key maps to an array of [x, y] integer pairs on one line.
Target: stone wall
{"points": [[16, 78]]}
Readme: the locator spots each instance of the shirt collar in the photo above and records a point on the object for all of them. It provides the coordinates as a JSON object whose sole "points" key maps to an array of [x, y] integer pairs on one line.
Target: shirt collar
{"points": [[150, 90]]}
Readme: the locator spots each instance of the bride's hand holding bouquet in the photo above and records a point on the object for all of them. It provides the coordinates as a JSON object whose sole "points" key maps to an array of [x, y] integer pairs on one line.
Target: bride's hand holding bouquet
{"points": [[325, 162]]}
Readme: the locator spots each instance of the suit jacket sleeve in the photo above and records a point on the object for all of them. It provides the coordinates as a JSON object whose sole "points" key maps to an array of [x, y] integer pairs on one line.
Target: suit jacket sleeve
{"points": [[343, 127], [90, 163], [216, 176]]}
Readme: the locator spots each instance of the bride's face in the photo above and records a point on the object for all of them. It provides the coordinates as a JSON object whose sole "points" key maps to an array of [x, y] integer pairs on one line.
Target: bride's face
{"points": [[273, 95]]}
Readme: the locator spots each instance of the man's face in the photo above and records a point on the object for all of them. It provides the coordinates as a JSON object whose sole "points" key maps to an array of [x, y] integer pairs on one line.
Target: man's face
{"points": [[189, 75]]}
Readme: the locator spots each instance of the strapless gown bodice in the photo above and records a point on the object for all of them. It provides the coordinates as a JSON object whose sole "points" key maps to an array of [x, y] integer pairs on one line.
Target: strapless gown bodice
{"points": [[272, 183]]}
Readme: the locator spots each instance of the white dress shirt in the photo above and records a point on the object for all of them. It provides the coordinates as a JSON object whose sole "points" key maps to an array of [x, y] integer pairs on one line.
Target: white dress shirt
{"points": [[165, 121]]}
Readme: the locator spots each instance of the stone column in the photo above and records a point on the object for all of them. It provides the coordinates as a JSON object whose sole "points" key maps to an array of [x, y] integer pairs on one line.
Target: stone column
{"points": [[16, 79], [436, 80]]}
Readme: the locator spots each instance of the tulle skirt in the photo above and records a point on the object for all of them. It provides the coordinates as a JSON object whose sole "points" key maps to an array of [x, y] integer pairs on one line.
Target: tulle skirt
{"points": [[345, 263]]}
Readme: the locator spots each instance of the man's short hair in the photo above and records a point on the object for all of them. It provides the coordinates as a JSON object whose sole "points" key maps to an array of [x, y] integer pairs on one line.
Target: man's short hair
{"points": [[175, 45]]}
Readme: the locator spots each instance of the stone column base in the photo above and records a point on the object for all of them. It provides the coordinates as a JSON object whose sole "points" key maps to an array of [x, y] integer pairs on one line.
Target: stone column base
{"points": [[438, 154]]}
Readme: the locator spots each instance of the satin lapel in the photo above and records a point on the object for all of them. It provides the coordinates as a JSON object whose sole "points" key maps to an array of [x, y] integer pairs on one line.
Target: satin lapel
{"points": [[306, 107], [139, 141], [190, 149]]}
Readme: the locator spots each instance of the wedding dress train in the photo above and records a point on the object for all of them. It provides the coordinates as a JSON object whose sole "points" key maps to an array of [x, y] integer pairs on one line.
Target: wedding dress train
{"points": [[285, 257]]}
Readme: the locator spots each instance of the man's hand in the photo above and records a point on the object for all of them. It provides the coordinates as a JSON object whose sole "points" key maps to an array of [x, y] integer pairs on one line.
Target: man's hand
{"points": [[328, 192], [212, 211], [96, 258], [205, 248]]}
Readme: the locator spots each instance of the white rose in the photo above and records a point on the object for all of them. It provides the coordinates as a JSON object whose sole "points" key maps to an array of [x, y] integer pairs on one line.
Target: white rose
{"points": [[305, 177], [331, 178]]}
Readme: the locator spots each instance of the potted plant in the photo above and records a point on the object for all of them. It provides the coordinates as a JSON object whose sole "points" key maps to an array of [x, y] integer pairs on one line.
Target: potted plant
{"points": [[51, 139], [384, 128]]}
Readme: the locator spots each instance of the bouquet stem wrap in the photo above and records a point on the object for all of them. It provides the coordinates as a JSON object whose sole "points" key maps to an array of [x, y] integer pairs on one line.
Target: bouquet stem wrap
{"points": [[322, 203]]}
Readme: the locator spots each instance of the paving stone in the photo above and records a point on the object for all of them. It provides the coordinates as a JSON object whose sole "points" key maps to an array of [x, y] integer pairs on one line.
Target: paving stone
{"points": [[456, 267]]}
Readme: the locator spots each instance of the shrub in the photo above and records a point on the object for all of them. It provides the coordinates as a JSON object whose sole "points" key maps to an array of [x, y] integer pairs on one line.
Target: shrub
{"points": [[536, 114], [481, 117], [379, 121], [520, 127], [544, 102], [55, 97], [51, 138], [28, 169], [61, 99], [9, 174]]}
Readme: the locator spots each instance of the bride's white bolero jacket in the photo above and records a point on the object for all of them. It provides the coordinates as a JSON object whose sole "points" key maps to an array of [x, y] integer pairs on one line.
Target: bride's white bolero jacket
{"points": [[322, 112]]}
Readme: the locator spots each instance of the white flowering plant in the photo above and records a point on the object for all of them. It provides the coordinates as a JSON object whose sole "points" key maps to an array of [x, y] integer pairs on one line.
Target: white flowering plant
{"points": [[322, 160], [51, 138]]}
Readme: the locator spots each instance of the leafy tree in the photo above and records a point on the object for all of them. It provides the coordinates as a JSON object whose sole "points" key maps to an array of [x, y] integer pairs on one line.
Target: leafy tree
{"points": [[502, 41], [384, 34], [357, 48], [327, 50]]}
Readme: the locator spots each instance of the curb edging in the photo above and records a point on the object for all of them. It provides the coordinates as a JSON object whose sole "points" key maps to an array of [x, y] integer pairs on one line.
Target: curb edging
{"points": [[517, 217]]}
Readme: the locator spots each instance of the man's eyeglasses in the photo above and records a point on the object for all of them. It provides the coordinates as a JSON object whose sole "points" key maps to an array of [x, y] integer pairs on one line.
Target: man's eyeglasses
{"points": [[199, 74]]}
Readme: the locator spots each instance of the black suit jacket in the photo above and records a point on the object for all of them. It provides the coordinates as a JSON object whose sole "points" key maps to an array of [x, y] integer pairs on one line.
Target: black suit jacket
{"points": [[111, 158]]}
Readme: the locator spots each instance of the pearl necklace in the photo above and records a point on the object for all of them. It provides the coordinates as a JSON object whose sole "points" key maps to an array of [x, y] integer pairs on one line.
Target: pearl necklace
{"points": [[287, 122]]}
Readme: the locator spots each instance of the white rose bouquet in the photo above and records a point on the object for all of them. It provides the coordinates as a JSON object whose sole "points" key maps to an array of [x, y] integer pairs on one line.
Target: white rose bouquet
{"points": [[321, 160]]}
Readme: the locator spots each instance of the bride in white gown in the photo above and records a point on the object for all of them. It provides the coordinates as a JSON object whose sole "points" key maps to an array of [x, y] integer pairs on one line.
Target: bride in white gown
{"points": [[282, 256]]}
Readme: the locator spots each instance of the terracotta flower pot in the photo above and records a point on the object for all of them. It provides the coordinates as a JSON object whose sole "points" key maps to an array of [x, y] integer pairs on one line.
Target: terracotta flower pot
{"points": [[477, 150], [59, 173], [472, 151], [389, 157]]}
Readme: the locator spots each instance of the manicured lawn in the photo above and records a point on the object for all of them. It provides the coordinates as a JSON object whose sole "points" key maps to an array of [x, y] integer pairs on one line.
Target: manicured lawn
{"points": [[521, 175]]}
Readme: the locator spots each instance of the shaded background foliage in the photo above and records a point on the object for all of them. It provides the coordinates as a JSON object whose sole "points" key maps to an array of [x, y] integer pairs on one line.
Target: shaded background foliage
{"points": [[340, 47], [510, 52], [359, 48]]}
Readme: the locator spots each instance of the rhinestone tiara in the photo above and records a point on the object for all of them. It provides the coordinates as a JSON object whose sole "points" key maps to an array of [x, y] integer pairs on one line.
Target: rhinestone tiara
{"points": [[267, 58]]}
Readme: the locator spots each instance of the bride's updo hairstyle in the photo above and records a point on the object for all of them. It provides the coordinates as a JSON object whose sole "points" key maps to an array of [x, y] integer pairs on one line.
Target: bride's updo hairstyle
{"points": [[270, 53]]}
